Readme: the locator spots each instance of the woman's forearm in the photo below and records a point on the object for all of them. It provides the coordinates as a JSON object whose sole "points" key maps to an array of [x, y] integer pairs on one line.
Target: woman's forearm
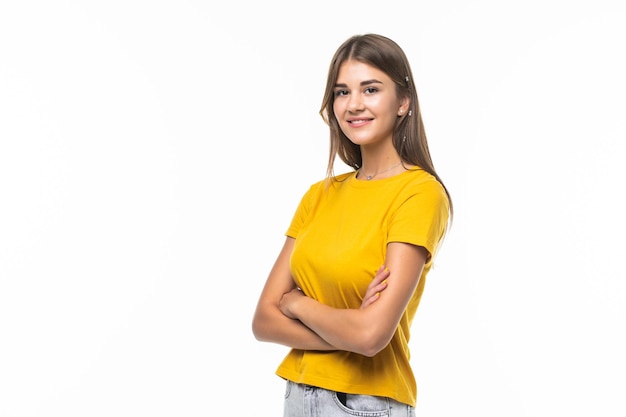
{"points": [[354, 330], [345, 329], [270, 325]]}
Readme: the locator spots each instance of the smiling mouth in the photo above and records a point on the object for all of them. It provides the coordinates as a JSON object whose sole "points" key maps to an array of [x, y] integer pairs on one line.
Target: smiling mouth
{"points": [[359, 121]]}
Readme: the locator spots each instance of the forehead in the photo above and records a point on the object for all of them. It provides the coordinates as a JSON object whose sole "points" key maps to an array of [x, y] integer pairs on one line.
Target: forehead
{"points": [[356, 71]]}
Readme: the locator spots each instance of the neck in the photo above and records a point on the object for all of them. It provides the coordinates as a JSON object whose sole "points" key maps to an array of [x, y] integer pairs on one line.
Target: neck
{"points": [[369, 175]]}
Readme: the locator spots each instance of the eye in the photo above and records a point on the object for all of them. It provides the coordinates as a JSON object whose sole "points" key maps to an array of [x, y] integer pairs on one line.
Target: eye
{"points": [[371, 90], [339, 93]]}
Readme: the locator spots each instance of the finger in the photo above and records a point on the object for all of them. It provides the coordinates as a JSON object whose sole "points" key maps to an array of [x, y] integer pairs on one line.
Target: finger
{"points": [[377, 285], [378, 280], [381, 275], [370, 300], [373, 292]]}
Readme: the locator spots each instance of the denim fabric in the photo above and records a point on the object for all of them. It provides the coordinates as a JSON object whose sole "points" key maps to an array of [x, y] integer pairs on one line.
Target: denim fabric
{"points": [[307, 401]]}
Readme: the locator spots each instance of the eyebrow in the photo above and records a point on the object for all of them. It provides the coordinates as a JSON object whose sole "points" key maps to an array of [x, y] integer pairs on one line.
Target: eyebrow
{"points": [[362, 83]]}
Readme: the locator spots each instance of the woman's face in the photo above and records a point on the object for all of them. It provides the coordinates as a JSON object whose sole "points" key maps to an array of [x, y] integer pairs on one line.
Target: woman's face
{"points": [[365, 104]]}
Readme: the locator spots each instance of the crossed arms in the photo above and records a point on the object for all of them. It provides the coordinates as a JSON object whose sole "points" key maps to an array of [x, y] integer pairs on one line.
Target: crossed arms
{"points": [[286, 316]]}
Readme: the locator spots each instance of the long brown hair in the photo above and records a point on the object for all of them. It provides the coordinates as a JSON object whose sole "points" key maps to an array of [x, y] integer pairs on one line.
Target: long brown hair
{"points": [[409, 137]]}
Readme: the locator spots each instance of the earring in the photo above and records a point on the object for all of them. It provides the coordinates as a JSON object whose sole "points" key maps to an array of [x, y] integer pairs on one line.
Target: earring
{"points": [[410, 113], [401, 111]]}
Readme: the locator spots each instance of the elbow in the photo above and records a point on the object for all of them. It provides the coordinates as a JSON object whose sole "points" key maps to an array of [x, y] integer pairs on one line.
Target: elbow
{"points": [[256, 331], [372, 344], [266, 325], [369, 353], [372, 350], [259, 328]]}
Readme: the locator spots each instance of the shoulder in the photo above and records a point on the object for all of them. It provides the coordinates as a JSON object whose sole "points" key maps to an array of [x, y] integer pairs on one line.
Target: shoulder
{"points": [[419, 180], [423, 192], [332, 182]]}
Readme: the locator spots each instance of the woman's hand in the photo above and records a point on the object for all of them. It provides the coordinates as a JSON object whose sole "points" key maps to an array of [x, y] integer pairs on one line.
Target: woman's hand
{"points": [[378, 284], [287, 300]]}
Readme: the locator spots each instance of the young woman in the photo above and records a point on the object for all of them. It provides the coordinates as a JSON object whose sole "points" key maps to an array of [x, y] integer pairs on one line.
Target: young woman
{"points": [[346, 285]]}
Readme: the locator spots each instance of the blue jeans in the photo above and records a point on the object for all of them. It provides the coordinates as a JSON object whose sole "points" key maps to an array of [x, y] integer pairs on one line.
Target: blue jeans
{"points": [[307, 401]]}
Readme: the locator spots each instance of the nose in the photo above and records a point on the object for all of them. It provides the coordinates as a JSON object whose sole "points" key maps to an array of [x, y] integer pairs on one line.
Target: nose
{"points": [[355, 103]]}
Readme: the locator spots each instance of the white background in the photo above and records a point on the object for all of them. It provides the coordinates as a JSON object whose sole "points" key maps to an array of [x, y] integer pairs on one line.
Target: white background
{"points": [[152, 154]]}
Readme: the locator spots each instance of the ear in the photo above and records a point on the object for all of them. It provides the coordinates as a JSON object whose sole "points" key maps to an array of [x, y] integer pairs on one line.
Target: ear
{"points": [[405, 105]]}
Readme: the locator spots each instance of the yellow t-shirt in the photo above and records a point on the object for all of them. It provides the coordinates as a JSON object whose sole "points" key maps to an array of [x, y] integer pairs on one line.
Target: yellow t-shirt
{"points": [[341, 236]]}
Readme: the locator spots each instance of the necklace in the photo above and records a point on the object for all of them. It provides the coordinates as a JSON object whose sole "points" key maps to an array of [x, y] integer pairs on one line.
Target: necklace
{"points": [[369, 177]]}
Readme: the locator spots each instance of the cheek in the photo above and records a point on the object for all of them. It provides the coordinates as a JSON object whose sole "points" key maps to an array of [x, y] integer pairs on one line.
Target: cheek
{"points": [[337, 108], [387, 106]]}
